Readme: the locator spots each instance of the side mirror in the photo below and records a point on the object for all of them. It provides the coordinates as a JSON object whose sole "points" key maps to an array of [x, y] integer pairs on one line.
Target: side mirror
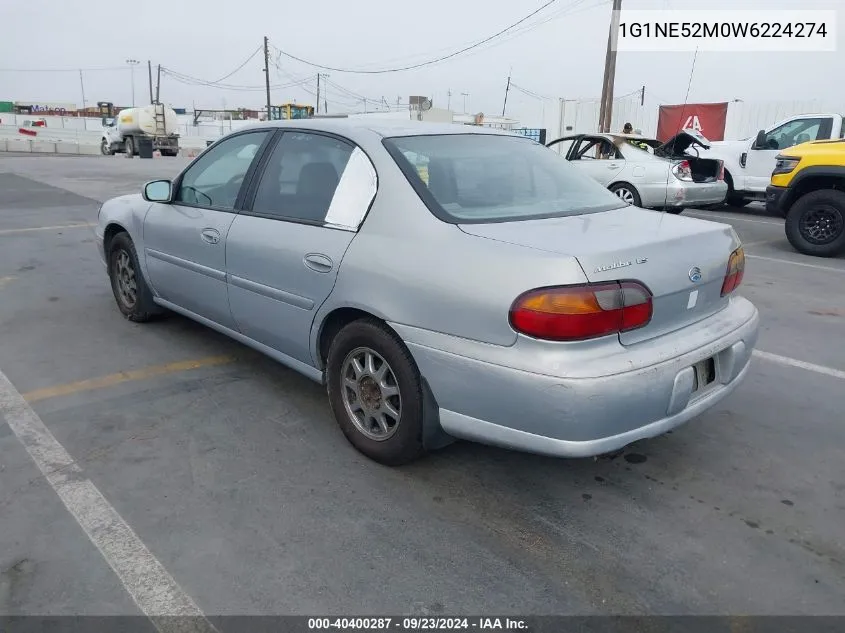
{"points": [[760, 141], [157, 191]]}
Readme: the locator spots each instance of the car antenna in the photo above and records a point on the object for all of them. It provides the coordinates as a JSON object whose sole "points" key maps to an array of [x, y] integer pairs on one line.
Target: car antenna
{"points": [[680, 123]]}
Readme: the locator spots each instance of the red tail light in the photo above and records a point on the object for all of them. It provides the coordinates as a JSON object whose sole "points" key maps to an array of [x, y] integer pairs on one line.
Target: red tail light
{"points": [[682, 170], [576, 313], [735, 272]]}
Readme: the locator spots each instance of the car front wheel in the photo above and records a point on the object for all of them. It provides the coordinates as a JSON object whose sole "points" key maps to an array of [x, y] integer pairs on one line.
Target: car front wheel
{"points": [[376, 393], [815, 225]]}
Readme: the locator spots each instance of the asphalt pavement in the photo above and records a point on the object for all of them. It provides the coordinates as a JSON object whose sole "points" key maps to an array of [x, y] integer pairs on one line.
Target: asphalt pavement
{"points": [[230, 473]]}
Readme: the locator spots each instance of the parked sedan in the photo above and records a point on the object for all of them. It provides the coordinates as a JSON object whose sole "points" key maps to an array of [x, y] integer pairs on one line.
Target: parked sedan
{"points": [[442, 282], [647, 173]]}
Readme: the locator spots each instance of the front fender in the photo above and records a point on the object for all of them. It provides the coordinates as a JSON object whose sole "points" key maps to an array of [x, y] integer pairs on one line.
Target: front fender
{"points": [[128, 213]]}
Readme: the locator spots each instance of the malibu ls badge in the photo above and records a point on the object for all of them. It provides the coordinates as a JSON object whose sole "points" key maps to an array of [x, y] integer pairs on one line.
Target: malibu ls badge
{"points": [[615, 265]]}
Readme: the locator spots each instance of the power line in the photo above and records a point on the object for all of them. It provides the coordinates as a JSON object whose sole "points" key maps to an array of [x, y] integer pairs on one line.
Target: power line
{"points": [[246, 61], [194, 81], [425, 63]]}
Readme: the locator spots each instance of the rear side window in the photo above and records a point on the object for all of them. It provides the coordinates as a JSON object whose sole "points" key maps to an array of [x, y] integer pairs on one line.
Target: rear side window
{"points": [[316, 179], [478, 178]]}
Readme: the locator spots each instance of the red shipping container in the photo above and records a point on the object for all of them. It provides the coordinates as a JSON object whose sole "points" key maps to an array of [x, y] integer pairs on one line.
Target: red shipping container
{"points": [[708, 119]]}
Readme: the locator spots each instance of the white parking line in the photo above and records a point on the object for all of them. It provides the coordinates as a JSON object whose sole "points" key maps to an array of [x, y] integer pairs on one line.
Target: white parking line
{"points": [[789, 261], [800, 364], [707, 216], [145, 579], [46, 228]]}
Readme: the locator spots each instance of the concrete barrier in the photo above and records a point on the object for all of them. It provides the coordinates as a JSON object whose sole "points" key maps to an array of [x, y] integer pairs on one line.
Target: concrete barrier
{"points": [[89, 150], [67, 148], [3, 145], [43, 147], [18, 145]]}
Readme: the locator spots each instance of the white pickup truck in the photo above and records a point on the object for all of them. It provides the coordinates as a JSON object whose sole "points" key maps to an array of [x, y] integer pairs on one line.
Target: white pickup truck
{"points": [[749, 163]]}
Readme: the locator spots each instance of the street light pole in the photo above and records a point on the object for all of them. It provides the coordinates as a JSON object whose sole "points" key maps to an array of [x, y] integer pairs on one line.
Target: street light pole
{"points": [[132, 63]]}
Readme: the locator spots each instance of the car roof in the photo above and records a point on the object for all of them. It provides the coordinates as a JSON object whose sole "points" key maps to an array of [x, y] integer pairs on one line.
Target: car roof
{"points": [[381, 127]]}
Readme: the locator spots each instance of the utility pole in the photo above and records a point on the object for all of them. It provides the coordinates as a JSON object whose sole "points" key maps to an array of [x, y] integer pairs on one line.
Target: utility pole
{"points": [[267, 72], [642, 97], [448, 99], [507, 89], [158, 85], [82, 85], [150, 73], [606, 110], [318, 93]]}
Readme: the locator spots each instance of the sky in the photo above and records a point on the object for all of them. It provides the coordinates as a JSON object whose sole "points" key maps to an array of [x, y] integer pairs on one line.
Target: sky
{"points": [[557, 54]]}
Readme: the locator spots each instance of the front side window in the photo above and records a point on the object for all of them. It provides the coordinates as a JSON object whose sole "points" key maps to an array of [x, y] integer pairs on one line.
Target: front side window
{"points": [[317, 179], [795, 133], [478, 178], [215, 179]]}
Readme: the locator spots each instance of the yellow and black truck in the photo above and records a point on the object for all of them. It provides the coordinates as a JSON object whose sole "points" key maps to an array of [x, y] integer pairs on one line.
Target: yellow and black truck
{"points": [[808, 188]]}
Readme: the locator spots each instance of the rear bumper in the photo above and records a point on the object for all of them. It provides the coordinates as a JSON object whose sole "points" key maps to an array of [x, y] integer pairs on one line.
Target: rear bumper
{"points": [[775, 198], [585, 416], [678, 193]]}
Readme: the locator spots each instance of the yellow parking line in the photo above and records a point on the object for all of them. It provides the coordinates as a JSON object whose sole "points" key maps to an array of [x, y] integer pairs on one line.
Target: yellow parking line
{"points": [[46, 228], [124, 376]]}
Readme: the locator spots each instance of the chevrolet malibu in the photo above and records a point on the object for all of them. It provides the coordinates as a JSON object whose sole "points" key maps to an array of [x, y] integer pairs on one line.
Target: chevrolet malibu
{"points": [[442, 282]]}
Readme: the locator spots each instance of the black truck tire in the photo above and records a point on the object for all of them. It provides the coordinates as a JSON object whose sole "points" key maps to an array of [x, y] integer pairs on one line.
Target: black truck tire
{"points": [[815, 223]]}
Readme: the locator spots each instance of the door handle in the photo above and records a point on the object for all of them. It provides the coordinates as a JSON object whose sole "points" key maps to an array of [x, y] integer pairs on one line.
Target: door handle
{"points": [[613, 166], [318, 262], [210, 236]]}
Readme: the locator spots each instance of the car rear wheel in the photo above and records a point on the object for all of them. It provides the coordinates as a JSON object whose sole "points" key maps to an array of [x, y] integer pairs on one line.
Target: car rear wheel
{"points": [[133, 296], [376, 393], [627, 193], [815, 225]]}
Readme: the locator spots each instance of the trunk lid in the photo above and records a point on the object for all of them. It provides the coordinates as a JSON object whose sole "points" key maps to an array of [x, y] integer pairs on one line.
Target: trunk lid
{"points": [[681, 260], [681, 142]]}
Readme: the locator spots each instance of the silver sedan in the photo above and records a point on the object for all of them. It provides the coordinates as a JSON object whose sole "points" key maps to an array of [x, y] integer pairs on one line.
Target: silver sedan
{"points": [[442, 282], [647, 173]]}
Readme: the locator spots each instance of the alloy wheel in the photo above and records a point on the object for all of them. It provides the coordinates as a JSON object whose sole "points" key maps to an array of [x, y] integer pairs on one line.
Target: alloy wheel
{"points": [[124, 275], [370, 394], [625, 194], [821, 224]]}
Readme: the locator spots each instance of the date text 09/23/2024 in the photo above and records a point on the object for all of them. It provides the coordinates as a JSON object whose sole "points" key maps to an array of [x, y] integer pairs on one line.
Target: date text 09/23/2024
{"points": [[417, 624]]}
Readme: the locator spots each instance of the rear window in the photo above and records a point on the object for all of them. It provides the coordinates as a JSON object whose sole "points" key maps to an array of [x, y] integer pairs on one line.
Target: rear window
{"points": [[482, 178]]}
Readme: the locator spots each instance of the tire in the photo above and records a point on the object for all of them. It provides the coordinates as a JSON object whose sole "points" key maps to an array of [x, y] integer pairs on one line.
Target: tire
{"points": [[104, 148], [815, 224], [123, 271], [672, 210], [357, 399], [626, 192], [129, 147]]}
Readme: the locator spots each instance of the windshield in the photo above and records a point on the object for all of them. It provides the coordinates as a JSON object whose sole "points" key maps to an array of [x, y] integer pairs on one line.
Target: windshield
{"points": [[481, 178]]}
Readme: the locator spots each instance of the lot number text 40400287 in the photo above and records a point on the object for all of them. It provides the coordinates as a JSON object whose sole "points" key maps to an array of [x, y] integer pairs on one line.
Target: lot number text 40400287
{"points": [[417, 623]]}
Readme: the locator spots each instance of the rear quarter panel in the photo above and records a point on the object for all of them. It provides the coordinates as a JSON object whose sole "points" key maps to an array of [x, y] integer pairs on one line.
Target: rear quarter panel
{"points": [[407, 267]]}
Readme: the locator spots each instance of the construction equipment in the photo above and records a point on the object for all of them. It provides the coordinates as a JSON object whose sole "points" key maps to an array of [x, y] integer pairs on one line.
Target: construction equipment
{"points": [[288, 111]]}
